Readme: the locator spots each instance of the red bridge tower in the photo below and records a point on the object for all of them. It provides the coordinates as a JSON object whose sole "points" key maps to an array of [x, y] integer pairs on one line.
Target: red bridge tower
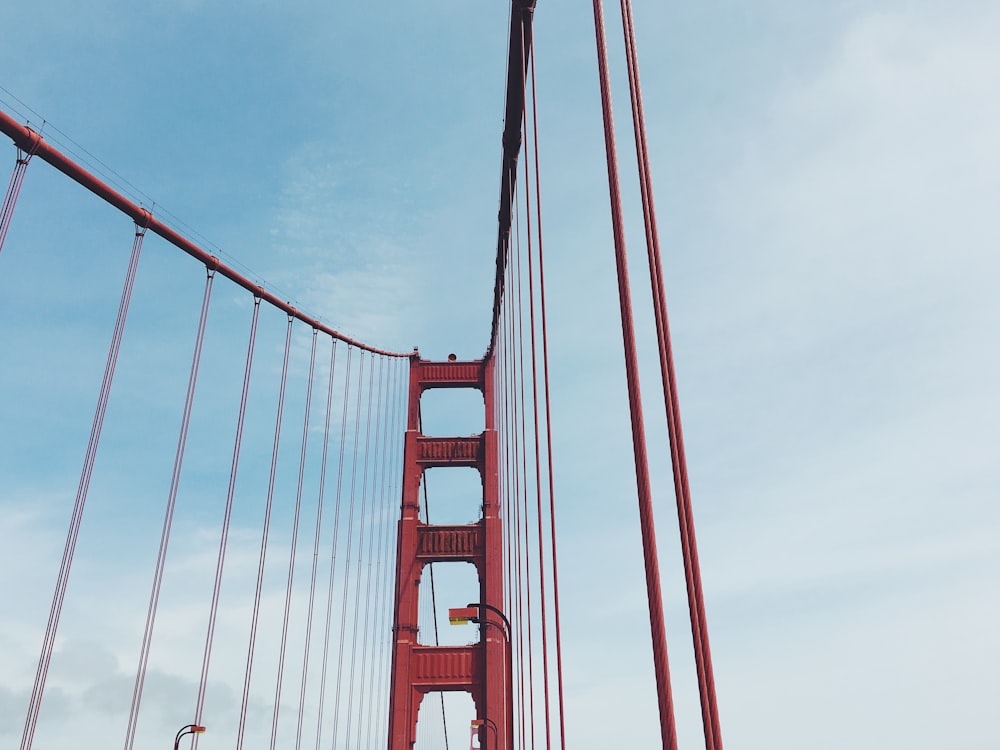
{"points": [[483, 668]]}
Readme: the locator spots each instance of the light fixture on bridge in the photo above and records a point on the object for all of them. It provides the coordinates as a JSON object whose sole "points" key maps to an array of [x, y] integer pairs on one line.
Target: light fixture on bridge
{"points": [[189, 729], [477, 740], [475, 612], [463, 615]]}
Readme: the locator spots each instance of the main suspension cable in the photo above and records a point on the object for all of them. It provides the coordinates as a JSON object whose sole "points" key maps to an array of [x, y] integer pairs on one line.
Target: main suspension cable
{"points": [[29, 140]]}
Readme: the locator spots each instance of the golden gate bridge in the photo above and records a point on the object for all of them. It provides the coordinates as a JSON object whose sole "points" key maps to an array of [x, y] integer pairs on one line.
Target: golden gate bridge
{"points": [[365, 667]]}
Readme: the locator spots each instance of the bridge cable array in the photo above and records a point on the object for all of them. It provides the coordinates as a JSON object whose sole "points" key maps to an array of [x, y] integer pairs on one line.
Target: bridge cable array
{"points": [[227, 518], [699, 627], [79, 504], [154, 596], [520, 352], [363, 582]]}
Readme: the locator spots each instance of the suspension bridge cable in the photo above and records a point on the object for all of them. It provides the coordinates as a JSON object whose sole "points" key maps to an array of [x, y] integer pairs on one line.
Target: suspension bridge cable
{"points": [[533, 348], [294, 543], [548, 407], [387, 599], [382, 603], [76, 517], [227, 516], [500, 421], [265, 532], [386, 504], [668, 732], [521, 398], [125, 187], [316, 542], [516, 488], [154, 597], [347, 562], [375, 493], [14, 189], [26, 138], [696, 607], [361, 552], [333, 552], [514, 485], [430, 567]]}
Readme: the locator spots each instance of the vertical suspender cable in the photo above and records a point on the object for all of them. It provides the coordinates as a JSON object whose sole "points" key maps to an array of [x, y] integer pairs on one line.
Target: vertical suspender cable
{"points": [[668, 731], [430, 569], [375, 514], [14, 190], [500, 419], [394, 492], [227, 516], [521, 443], [548, 411], [361, 553], [385, 514], [333, 552], [316, 543], [510, 365], [154, 597], [294, 543], [513, 359], [347, 562], [689, 550], [537, 447], [385, 520], [255, 618], [62, 580]]}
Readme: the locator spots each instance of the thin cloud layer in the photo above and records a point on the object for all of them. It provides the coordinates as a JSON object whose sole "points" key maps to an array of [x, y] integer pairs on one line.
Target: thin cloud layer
{"points": [[830, 226]]}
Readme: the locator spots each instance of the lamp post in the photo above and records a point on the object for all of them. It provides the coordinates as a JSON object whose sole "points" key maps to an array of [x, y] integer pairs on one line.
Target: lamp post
{"points": [[189, 729], [491, 608], [478, 725], [473, 612]]}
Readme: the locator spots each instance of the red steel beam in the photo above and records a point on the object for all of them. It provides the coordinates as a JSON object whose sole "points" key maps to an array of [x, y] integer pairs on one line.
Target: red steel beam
{"points": [[30, 140]]}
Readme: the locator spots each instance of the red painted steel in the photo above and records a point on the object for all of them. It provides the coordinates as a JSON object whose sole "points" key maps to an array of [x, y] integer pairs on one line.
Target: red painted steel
{"points": [[685, 514], [668, 732], [25, 138], [482, 669]]}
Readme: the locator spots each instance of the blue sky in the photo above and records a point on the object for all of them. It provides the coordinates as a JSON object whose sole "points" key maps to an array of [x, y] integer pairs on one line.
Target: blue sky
{"points": [[826, 176]]}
